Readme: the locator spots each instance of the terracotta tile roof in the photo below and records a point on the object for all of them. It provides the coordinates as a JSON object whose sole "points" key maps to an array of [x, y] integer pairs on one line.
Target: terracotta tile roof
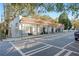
{"points": [[27, 20]]}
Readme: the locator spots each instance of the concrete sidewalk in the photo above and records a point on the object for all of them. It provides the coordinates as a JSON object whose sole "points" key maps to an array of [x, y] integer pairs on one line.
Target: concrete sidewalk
{"points": [[33, 36]]}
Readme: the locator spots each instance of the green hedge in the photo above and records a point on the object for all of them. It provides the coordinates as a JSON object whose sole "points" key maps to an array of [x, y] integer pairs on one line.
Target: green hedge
{"points": [[2, 35]]}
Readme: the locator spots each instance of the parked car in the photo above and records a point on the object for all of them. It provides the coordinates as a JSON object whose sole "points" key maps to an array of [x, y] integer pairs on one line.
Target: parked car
{"points": [[76, 34]]}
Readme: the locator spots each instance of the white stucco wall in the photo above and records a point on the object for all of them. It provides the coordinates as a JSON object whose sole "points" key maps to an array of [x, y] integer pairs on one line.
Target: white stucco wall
{"points": [[54, 29], [49, 29], [39, 29], [46, 28], [14, 29], [35, 30], [24, 29]]}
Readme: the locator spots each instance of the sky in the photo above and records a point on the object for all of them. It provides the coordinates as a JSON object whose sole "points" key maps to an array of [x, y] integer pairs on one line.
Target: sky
{"points": [[1, 10], [55, 15], [51, 14]]}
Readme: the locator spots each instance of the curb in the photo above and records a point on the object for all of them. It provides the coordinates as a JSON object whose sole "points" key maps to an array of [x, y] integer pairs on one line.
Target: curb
{"points": [[30, 37]]}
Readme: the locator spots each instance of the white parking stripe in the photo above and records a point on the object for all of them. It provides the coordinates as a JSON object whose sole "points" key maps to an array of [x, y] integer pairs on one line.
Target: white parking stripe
{"points": [[74, 47], [72, 51], [54, 37], [67, 54], [60, 52], [66, 49], [46, 48], [36, 50], [60, 47], [76, 43], [17, 49], [9, 50], [39, 51], [51, 45], [46, 43], [68, 44]]}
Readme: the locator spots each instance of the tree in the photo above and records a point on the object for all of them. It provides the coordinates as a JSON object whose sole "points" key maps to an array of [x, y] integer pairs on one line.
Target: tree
{"points": [[12, 10], [75, 24], [69, 24], [63, 18]]}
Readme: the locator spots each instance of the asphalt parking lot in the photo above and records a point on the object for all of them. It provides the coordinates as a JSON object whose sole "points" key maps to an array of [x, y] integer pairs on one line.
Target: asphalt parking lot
{"points": [[52, 45]]}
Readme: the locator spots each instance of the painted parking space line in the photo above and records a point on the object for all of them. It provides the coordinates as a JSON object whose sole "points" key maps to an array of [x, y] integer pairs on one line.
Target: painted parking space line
{"points": [[55, 37], [76, 43], [68, 53], [74, 54], [36, 50], [10, 49], [73, 47], [46, 36], [60, 52], [31, 51], [17, 49], [72, 51], [27, 44], [46, 45], [52, 45], [68, 44], [39, 51], [66, 49], [62, 49]]}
